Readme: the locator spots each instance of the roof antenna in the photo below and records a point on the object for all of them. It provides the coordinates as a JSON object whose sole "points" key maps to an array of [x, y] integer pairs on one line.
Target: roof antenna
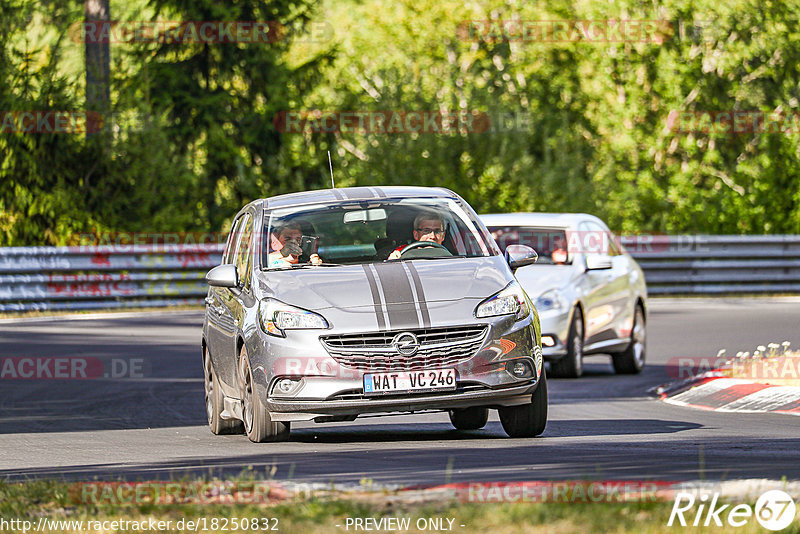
{"points": [[333, 186]]}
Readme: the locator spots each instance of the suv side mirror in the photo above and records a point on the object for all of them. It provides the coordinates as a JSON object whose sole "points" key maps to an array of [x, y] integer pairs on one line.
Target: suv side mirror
{"points": [[596, 262], [223, 276], [520, 255]]}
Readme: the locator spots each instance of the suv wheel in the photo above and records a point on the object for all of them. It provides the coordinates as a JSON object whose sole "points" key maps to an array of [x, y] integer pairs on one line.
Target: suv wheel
{"points": [[257, 423], [571, 365], [631, 360], [215, 403], [469, 418], [527, 420]]}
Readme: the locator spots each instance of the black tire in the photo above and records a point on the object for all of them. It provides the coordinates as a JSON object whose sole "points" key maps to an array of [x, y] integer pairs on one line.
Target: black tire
{"points": [[571, 365], [257, 423], [631, 361], [469, 418], [215, 404], [528, 420]]}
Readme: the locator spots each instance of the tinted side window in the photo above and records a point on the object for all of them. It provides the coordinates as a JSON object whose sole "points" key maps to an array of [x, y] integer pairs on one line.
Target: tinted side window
{"points": [[243, 250]]}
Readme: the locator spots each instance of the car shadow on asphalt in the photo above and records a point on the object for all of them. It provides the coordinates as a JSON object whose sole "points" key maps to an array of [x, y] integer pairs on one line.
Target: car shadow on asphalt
{"points": [[493, 430]]}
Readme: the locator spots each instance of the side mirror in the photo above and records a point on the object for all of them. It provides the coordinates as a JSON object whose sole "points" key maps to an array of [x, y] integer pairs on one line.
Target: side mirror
{"points": [[223, 276], [596, 262], [520, 255]]}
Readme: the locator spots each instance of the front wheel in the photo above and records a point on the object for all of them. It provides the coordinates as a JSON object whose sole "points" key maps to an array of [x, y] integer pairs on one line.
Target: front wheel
{"points": [[469, 418], [527, 420], [259, 426], [631, 360]]}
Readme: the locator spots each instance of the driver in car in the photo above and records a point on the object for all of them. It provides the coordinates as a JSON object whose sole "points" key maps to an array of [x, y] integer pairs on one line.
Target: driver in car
{"points": [[428, 226]]}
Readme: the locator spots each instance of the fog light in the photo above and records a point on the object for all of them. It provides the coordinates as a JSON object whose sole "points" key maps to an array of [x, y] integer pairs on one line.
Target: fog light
{"points": [[519, 369], [285, 386], [548, 341]]}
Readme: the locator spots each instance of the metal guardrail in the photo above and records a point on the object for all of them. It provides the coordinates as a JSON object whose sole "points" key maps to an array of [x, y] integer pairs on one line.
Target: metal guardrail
{"points": [[722, 264], [93, 277]]}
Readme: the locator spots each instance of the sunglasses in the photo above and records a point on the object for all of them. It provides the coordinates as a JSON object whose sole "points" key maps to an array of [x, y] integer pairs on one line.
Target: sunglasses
{"points": [[426, 231]]}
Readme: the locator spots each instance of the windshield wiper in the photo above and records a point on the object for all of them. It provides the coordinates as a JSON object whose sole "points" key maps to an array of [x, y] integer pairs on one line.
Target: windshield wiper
{"points": [[431, 258], [309, 264], [301, 266]]}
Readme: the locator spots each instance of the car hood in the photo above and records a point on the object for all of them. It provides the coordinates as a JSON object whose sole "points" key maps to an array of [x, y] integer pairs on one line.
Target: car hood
{"points": [[386, 283], [536, 279]]}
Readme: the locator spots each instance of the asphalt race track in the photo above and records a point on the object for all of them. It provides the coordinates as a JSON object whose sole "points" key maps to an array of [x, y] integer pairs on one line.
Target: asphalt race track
{"points": [[602, 426]]}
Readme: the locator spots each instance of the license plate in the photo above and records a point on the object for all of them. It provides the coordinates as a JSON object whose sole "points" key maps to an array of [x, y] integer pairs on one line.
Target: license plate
{"points": [[408, 381]]}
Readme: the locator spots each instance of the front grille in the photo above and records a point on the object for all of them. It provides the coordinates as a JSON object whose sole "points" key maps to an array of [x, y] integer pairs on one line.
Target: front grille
{"points": [[439, 347]]}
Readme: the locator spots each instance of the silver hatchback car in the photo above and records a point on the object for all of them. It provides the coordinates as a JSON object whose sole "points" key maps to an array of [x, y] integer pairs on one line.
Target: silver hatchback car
{"points": [[335, 303], [590, 293]]}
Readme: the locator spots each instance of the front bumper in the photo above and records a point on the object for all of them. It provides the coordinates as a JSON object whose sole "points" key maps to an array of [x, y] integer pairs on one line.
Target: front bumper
{"points": [[305, 410]]}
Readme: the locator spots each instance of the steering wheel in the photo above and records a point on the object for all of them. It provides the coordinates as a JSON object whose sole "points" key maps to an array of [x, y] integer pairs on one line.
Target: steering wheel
{"points": [[423, 244]]}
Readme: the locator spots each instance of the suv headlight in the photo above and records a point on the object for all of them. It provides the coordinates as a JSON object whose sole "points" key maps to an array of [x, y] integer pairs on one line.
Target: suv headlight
{"points": [[276, 316], [551, 300], [510, 301]]}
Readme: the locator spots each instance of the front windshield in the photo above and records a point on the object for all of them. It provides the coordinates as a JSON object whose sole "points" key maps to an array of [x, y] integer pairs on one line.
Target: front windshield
{"points": [[357, 232], [550, 243]]}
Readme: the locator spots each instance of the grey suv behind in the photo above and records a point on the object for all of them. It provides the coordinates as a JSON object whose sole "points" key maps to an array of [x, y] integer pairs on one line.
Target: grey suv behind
{"points": [[307, 318]]}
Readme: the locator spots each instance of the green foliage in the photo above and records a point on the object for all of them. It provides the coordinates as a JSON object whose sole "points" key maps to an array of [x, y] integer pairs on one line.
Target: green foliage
{"points": [[575, 126]]}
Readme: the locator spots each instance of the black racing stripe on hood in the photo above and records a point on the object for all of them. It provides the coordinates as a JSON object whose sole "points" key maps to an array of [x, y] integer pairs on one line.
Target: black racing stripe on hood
{"points": [[376, 297], [423, 303], [337, 194], [400, 303]]}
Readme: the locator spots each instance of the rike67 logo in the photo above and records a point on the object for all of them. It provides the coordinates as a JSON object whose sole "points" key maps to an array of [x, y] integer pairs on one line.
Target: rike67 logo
{"points": [[774, 510]]}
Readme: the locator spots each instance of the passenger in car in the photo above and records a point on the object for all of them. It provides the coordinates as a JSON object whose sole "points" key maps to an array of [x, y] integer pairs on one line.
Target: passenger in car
{"points": [[428, 226], [286, 242]]}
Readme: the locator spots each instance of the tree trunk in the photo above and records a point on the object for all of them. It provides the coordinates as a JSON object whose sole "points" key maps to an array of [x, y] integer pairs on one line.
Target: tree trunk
{"points": [[97, 16]]}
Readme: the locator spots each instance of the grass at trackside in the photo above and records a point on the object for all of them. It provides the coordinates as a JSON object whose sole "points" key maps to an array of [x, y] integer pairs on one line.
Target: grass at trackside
{"points": [[49, 499]]}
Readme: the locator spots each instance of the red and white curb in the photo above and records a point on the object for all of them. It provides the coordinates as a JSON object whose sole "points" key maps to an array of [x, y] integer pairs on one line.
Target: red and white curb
{"points": [[712, 391]]}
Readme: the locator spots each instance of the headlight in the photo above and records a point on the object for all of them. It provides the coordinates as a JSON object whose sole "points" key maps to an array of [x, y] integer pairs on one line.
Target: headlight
{"points": [[276, 316], [551, 300], [509, 301]]}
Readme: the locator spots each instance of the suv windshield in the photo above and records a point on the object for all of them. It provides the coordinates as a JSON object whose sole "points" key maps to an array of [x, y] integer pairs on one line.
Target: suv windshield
{"points": [[353, 232], [550, 243]]}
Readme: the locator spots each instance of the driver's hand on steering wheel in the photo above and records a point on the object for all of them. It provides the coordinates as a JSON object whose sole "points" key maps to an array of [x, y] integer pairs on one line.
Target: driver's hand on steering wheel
{"points": [[395, 255]]}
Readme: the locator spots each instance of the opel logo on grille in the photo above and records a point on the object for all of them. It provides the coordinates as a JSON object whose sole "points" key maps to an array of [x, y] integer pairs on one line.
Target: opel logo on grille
{"points": [[406, 343]]}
